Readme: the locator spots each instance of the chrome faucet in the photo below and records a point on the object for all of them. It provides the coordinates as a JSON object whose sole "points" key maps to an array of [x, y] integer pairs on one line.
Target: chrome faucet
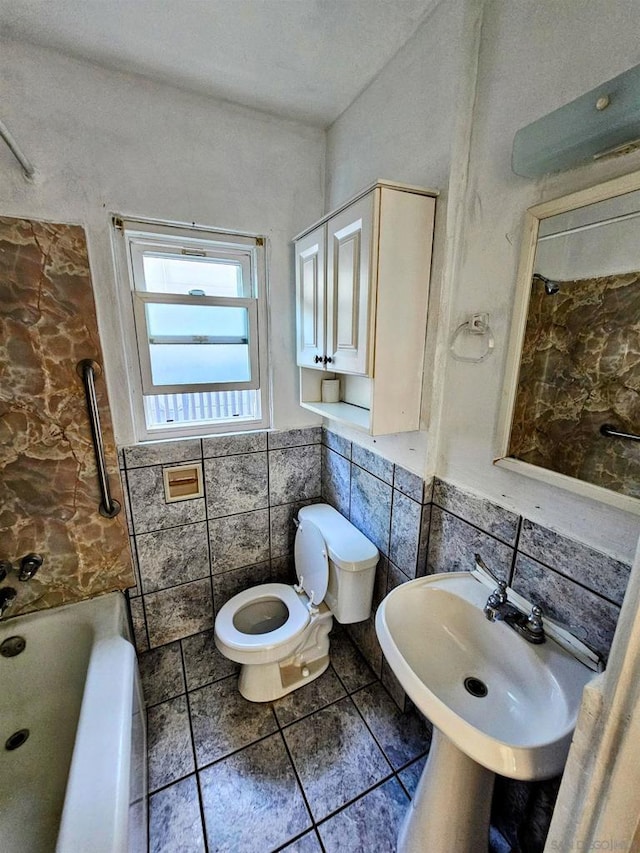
{"points": [[499, 609], [7, 597]]}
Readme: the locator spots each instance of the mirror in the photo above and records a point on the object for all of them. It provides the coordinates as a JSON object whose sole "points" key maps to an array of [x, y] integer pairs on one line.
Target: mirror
{"points": [[572, 395]]}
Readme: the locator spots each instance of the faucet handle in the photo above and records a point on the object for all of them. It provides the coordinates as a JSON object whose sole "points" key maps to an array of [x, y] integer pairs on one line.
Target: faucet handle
{"points": [[499, 595], [534, 622], [29, 565], [7, 597], [5, 567]]}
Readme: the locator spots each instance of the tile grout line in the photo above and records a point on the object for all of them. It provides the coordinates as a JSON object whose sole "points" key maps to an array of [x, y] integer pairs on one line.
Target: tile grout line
{"points": [[193, 749], [512, 569], [296, 776], [368, 728], [472, 524], [135, 545]]}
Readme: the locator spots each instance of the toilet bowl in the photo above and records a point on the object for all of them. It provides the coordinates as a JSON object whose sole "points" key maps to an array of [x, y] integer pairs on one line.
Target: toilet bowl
{"points": [[280, 633]]}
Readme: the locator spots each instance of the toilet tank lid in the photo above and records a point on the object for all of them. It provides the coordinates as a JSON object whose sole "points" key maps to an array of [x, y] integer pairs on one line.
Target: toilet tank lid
{"points": [[348, 548]]}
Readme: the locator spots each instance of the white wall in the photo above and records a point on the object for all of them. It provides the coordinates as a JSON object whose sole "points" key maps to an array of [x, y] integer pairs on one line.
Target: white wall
{"points": [[401, 128], [534, 58], [106, 142]]}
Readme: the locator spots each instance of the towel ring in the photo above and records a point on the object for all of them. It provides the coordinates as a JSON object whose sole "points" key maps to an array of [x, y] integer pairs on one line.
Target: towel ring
{"points": [[466, 327]]}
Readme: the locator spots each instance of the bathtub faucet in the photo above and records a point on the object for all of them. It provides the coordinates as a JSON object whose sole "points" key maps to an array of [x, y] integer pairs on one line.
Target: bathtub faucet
{"points": [[7, 597]]}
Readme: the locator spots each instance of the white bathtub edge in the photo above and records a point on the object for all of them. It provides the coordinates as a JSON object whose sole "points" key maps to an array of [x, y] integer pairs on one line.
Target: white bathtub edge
{"points": [[95, 815]]}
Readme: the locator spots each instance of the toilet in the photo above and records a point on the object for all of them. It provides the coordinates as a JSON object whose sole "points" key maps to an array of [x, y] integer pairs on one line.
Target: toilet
{"points": [[280, 633]]}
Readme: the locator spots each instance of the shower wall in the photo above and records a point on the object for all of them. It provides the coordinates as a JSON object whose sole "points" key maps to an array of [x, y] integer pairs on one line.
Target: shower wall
{"points": [[580, 369], [49, 493]]}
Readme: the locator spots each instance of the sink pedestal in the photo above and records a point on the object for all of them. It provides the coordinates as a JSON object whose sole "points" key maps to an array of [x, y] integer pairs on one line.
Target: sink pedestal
{"points": [[451, 807]]}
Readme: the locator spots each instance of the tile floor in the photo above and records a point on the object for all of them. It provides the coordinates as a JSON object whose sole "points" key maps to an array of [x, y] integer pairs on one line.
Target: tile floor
{"points": [[329, 767]]}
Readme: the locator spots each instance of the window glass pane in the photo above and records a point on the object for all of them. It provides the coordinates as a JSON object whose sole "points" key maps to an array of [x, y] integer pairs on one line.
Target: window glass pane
{"points": [[169, 274], [193, 323], [202, 408], [198, 364]]}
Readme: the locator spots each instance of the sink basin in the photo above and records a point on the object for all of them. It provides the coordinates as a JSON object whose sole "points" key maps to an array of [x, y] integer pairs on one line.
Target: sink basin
{"points": [[434, 634], [502, 704]]}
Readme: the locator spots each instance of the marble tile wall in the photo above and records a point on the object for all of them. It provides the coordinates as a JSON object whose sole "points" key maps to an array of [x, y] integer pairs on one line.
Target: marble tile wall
{"points": [[580, 369], [50, 494], [193, 555]]}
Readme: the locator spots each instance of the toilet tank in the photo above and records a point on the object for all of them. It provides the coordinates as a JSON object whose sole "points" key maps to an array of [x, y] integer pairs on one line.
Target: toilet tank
{"points": [[352, 563]]}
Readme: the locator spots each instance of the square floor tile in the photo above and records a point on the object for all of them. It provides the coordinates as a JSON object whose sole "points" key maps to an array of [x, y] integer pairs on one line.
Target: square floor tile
{"points": [[313, 696], [175, 823], [371, 823], [403, 736], [335, 756], [161, 674], [308, 843], [169, 743], [411, 774], [351, 668], [223, 721], [203, 663], [252, 801]]}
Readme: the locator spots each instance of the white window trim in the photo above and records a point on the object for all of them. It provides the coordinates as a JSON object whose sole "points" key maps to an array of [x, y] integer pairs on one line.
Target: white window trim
{"points": [[140, 299], [184, 234]]}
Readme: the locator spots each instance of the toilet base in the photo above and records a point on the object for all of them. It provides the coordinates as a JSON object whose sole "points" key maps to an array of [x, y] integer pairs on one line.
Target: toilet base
{"points": [[269, 681], [265, 682]]}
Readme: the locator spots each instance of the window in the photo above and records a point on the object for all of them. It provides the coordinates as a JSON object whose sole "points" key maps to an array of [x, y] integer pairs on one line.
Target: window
{"points": [[199, 322]]}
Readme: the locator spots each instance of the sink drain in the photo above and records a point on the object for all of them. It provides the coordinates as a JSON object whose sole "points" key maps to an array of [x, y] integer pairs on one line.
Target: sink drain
{"points": [[476, 687], [16, 739], [12, 646]]}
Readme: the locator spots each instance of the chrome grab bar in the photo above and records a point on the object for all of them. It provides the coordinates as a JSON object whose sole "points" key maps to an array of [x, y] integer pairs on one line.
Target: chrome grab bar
{"points": [[87, 370], [610, 431]]}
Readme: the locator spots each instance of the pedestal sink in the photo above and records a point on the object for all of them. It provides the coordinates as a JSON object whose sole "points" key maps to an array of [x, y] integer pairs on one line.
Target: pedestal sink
{"points": [[498, 704]]}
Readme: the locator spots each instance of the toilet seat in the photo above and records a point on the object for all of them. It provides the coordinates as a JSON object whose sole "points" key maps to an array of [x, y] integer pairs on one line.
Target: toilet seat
{"points": [[311, 561], [297, 621]]}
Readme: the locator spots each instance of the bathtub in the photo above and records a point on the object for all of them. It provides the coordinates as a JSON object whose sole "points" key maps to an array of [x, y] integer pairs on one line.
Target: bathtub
{"points": [[77, 783]]}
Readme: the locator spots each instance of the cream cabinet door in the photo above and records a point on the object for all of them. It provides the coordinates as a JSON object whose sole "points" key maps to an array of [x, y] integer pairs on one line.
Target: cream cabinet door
{"points": [[310, 298], [349, 237]]}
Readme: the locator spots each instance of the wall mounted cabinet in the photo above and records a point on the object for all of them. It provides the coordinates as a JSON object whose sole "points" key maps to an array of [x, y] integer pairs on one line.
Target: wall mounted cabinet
{"points": [[362, 289]]}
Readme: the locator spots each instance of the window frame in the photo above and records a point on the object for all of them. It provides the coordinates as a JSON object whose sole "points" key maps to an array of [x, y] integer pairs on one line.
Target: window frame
{"points": [[168, 238]]}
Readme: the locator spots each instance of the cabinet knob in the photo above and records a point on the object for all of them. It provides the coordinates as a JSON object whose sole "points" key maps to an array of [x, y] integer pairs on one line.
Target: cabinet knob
{"points": [[318, 359], [327, 359]]}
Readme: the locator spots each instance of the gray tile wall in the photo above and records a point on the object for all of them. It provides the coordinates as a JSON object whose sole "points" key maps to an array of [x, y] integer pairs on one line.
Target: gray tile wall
{"points": [[424, 528], [579, 587], [391, 506], [192, 556]]}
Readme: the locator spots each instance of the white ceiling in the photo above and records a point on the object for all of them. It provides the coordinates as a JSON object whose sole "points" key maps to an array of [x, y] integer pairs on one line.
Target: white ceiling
{"points": [[303, 59]]}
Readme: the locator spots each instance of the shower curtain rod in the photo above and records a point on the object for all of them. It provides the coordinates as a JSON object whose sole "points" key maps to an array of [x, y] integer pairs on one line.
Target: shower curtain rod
{"points": [[27, 166]]}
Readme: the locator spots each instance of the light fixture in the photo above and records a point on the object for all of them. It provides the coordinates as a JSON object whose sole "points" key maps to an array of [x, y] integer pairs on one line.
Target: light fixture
{"points": [[603, 123]]}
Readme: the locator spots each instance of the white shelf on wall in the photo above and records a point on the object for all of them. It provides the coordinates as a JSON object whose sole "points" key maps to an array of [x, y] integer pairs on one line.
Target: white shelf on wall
{"points": [[362, 286], [343, 413]]}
